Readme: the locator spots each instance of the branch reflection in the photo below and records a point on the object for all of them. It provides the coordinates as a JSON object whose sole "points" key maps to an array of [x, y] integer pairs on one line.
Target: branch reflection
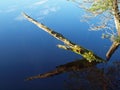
{"points": [[83, 75]]}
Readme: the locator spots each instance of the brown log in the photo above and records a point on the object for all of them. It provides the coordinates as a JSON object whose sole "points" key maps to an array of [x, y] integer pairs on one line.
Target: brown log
{"points": [[112, 49]]}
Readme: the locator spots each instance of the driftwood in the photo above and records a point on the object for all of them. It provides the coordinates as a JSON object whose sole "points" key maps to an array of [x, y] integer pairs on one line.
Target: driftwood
{"points": [[72, 66], [85, 53], [115, 44]]}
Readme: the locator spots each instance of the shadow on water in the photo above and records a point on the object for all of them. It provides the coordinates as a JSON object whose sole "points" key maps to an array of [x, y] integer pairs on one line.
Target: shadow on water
{"points": [[84, 75]]}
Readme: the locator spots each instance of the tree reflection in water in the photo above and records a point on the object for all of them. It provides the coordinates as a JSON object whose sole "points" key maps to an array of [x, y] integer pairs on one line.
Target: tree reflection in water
{"points": [[83, 75], [94, 78]]}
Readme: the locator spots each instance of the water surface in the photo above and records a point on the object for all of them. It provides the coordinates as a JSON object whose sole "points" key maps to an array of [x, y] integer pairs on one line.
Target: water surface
{"points": [[26, 50]]}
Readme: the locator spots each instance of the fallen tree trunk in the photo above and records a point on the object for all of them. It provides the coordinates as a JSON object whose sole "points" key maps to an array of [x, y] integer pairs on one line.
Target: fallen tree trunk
{"points": [[87, 54]]}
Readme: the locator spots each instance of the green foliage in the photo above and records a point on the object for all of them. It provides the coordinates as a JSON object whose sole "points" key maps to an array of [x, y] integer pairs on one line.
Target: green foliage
{"points": [[89, 56], [96, 6], [100, 6], [106, 36], [117, 39], [113, 38]]}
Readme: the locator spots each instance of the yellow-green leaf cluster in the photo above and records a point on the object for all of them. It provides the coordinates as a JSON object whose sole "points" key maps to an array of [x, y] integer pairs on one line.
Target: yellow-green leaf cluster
{"points": [[89, 56], [117, 39], [101, 6]]}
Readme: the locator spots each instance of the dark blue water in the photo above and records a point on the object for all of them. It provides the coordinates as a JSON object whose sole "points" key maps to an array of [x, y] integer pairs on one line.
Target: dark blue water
{"points": [[26, 50]]}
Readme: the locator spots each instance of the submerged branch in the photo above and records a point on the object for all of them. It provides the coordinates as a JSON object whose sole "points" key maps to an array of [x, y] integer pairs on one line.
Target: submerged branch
{"points": [[50, 31], [87, 54]]}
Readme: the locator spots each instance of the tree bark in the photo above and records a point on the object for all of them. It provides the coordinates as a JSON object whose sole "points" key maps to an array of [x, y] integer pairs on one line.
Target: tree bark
{"points": [[116, 13], [115, 44], [112, 49]]}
